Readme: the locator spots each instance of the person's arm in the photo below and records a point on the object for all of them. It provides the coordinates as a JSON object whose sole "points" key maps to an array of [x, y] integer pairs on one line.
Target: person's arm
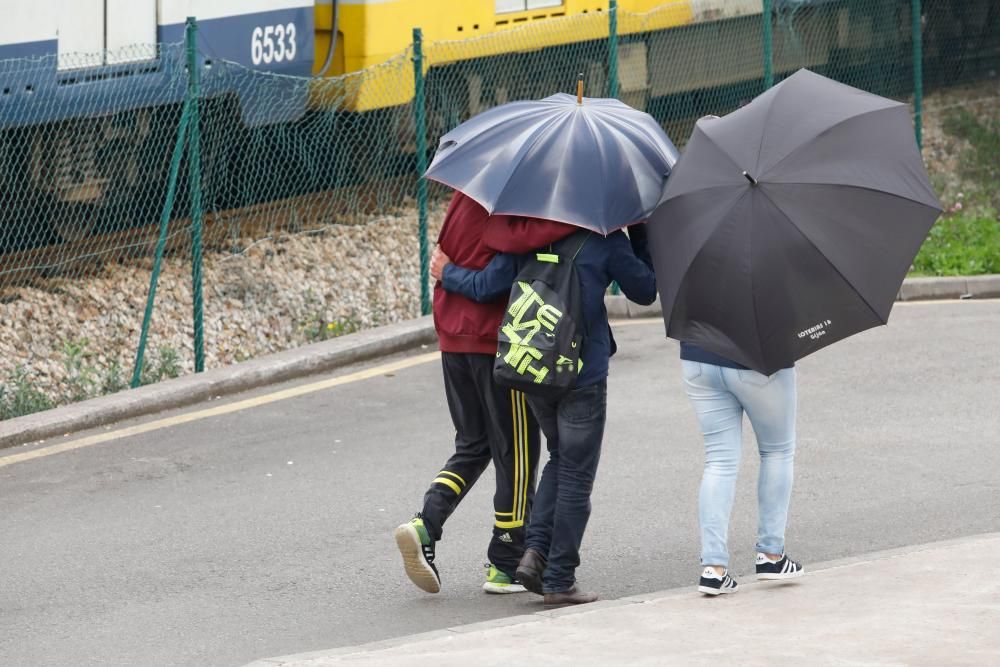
{"points": [[639, 239], [635, 277], [518, 235], [483, 286]]}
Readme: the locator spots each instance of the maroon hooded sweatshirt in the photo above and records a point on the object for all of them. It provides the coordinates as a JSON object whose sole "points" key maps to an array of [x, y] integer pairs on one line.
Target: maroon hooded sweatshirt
{"points": [[471, 237]]}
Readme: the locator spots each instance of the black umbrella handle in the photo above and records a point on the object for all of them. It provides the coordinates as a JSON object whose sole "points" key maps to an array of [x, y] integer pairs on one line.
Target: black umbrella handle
{"points": [[753, 181]]}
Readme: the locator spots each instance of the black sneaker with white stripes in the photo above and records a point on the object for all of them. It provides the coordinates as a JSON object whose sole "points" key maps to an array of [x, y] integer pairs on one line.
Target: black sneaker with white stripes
{"points": [[783, 568], [715, 584]]}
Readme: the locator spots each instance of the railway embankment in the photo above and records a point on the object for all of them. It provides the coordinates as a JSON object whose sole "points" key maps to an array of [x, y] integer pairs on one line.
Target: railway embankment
{"points": [[63, 339], [69, 339]]}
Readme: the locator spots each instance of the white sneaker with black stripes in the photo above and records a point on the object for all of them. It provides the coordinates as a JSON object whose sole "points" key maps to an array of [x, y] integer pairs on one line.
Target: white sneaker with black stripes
{"points": [[716, 584], [783, 568]]}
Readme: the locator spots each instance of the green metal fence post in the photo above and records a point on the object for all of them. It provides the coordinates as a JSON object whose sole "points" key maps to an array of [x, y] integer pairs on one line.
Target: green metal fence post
{"points": [[194, 173], [918, 73], [168, 205], [613, 49], [768, 46], [421, 131]]}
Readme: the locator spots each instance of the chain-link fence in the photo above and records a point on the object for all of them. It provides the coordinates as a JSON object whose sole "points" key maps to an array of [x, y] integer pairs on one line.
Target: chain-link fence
{"points": [[292, 205]]}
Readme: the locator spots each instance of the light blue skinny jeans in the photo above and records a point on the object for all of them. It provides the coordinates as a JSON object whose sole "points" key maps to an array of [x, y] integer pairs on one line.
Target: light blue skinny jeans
{"points": [[720, 396]]}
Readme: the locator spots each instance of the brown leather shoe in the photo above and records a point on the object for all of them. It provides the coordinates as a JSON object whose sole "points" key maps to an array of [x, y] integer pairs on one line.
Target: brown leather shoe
{"points": [[566, 598], [530, 569]]}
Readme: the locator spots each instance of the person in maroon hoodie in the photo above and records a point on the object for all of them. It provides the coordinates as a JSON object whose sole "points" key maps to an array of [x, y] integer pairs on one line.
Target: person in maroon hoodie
{"points": [[492, 423]]}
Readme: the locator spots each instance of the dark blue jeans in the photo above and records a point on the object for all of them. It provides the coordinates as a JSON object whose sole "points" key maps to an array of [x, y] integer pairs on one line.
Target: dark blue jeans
{"points": [[573, 428]]}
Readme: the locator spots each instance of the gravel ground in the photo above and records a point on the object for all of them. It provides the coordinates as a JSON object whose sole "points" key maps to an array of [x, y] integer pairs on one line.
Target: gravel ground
{"points": [[279, 293]]}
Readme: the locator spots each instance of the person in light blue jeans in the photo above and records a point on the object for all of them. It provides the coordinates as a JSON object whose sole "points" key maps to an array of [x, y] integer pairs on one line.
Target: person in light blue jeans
{"points": [[721, 391]]}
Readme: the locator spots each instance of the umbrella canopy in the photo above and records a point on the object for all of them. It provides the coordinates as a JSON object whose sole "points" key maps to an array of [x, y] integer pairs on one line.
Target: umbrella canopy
{"points": [[597, 164], [790, 223]]}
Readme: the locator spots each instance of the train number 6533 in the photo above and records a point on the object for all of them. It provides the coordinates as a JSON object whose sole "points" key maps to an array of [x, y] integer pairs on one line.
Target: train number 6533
{"points": [[273, 44]]}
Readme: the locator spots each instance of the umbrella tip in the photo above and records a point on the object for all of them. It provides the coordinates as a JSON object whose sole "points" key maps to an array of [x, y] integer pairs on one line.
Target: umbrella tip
{"points": [[579, 89], [753, 181]]}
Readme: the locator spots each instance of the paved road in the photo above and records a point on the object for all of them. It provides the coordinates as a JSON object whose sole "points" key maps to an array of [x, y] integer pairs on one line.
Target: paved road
{"points": [[268, 531]]}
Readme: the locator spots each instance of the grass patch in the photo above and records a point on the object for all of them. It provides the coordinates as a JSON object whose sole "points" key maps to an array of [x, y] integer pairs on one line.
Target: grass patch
{"points": [[961, 244], [966, 240]]}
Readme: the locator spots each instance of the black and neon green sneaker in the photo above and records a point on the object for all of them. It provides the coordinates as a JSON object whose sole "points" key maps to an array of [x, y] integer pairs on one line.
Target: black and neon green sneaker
{"points": [[417, 548], [497, 581]]}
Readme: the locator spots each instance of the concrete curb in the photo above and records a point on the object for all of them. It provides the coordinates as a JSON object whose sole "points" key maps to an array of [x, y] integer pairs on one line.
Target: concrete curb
{"points": [[273, 368], [325, 356], [913, 289], [545, 616], [971, 287]]}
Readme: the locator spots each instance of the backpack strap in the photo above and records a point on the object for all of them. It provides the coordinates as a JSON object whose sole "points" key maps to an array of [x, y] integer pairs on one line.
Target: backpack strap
{"points": [[584, 241], [586, 327], [558, 248], [564, 244]]}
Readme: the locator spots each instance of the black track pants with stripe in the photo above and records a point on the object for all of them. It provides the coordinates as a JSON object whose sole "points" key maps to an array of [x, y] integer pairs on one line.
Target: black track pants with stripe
{"points": [[492, 423]]}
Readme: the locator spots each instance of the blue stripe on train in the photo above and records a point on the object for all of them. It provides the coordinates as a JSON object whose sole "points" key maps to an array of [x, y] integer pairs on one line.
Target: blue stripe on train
{"points": [[33, 91], [231, 38], [28, 49]]}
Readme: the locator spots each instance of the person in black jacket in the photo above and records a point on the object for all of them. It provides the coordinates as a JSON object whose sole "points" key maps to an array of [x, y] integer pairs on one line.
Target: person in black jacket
{"points": [[574, 423]]}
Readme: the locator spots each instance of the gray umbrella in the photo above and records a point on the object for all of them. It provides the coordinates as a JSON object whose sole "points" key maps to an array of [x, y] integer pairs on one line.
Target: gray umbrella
{"points": [[596, 163], [790, 223]]}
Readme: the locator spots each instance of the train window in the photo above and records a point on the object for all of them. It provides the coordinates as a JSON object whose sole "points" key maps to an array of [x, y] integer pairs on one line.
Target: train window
{"points": [[507, 6]]}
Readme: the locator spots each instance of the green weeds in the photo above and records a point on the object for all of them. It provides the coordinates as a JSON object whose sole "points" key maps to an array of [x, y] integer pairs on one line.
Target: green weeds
{"points": [[84, 377]]}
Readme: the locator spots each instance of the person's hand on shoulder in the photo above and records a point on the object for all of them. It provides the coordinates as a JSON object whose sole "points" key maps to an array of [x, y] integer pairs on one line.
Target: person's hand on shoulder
{"points": [[439, 260]]}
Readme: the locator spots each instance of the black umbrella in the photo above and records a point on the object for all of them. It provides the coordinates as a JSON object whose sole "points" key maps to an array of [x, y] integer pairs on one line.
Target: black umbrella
{"points": [[790, 223]]}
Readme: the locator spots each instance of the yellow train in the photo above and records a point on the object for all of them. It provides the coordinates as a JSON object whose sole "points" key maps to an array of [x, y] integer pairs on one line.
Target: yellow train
{"points": [[676, 59], [372, 32], [371, 36], [489, 51]]}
